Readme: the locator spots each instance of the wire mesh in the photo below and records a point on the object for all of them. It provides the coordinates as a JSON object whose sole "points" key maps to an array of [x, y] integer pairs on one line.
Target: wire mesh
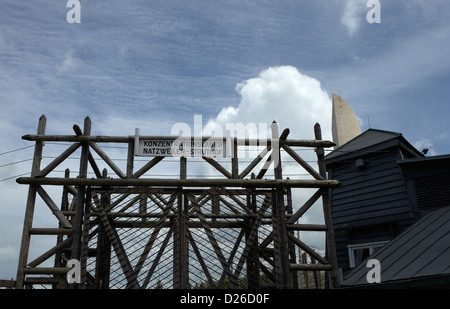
{"points": [[223, 235]]}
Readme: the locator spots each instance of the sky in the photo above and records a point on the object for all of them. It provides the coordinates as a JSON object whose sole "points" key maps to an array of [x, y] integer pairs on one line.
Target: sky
{"points": [[151, 64]]}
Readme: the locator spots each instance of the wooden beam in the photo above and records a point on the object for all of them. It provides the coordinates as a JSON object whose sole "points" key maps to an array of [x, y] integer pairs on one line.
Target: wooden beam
{"points": [[107, 160], [59, 159], [218, 167], [302, 162], [307, 227], [55, 210], [127, 139], [149, 182], [51, 231], [309, 267]]}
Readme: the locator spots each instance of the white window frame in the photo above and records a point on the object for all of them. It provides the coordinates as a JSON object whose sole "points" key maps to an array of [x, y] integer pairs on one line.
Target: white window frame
{"points": [[371, 246]]}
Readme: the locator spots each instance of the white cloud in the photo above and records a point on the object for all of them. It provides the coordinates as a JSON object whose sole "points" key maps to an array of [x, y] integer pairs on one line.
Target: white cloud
{"points": [[285, 95], [69, 63], [353, 15], [425, 143]]}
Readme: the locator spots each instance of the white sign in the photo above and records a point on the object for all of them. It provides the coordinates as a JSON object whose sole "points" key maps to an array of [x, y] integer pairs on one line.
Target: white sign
{"points": [[181, 148]]}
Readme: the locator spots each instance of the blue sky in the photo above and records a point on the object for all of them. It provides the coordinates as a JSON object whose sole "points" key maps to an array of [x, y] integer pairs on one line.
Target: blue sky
{"points": [[150, 64]]}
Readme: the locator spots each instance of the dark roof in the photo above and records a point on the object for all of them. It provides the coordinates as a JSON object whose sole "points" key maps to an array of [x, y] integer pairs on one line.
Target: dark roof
{"points": [[370, 141], [421, 252], [425, 160]]}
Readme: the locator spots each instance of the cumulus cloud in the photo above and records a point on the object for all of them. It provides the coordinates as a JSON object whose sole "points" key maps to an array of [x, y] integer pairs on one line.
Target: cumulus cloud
{"points": [[285, 95]]}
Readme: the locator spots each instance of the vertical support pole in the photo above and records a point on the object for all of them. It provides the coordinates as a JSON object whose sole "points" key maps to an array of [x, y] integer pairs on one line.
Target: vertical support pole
{"points": [[80, 199], [29, 210], [130, 158], [281, 249], [59, 238], [85, 238], [235, 161], [293, 257], [103, 260], [253, 256], [330, 242], [181, 254]]}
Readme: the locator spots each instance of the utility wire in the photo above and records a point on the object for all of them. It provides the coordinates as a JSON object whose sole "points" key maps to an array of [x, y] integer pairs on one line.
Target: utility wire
{"points": [[16, 150]]}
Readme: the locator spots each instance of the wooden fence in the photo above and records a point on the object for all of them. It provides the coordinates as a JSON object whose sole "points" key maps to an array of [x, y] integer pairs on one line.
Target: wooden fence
{"points": [[131, 230]]}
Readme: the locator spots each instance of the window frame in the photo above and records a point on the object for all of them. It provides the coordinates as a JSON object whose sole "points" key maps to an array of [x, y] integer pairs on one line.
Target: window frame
{"points": [[371, 246]]}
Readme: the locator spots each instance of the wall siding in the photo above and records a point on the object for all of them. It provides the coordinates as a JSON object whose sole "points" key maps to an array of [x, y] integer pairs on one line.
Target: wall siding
{"points": [[371, 204]]}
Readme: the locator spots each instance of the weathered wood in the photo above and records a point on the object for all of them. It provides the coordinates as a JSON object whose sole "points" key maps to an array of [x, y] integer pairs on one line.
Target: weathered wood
{"points": [[59, 160], [158, 257], [147, 167], [43, 257], [194, 199], [305, 206], [50, 231], [330, 238], [132, 280], [7, 283], [309, 267], [213, 242], [302, 162], [235, 161], [80, 198], [147, 182], [29, 210], [307, 227], [55, 210], [281, 246], [306, 248], [107, 160], [255, 162], [127, 139], [46, 270], [130, 159], [114, 238], [218, 167]]}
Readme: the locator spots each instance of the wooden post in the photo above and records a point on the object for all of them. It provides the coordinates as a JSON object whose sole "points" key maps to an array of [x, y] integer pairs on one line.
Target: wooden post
{"points": [[330, 239], [130, 159], [281, 250], [253, 256], [59, 238], [235, 161], [180, 243], [292, 253], [29, 211], [103, 260], [80, 198]]}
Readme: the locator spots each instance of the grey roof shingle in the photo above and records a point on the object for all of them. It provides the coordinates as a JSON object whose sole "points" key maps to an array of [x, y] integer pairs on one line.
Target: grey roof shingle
{"points": [[421, 251]]}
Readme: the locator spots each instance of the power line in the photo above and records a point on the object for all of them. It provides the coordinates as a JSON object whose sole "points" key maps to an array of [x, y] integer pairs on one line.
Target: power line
{"points": [[13, 177], [12, 163], [16, 150]]}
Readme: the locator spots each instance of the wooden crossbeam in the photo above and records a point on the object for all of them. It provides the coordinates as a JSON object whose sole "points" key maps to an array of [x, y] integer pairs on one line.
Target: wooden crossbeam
{"points": [[150, 182]]}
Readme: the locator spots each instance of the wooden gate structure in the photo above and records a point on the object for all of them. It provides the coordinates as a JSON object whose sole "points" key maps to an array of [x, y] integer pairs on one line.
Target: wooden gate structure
{"points": [[129, 230]]}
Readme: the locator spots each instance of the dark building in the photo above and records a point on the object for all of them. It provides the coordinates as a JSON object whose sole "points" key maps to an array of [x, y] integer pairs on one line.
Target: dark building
{"points": [[387, 186], [417, 258]]}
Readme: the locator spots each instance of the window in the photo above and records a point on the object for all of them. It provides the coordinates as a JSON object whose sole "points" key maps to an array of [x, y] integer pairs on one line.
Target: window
{"points": [[358, 253]]}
